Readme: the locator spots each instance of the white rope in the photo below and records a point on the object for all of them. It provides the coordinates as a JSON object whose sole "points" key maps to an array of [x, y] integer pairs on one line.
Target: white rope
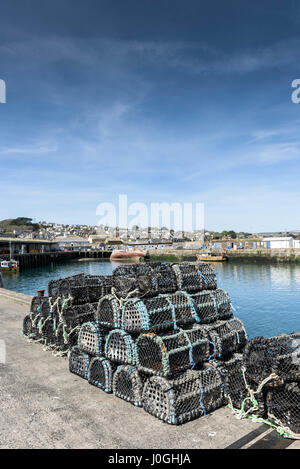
{"points": [[123, 300]]}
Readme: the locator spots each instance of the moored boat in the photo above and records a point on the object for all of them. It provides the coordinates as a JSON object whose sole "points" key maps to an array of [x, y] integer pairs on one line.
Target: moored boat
{"points": [[9, 266], [122, 254], [212, 257]]}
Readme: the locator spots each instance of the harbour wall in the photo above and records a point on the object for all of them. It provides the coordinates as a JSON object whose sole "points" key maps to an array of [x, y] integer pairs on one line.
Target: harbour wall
{"points": [[254, 255], [45, 258]]}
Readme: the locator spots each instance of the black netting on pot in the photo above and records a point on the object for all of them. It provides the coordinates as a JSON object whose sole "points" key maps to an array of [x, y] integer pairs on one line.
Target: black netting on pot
{"points": [[205, 305], [193, 277], [235, 390], [211, 388], [223, 303], [100, 289], [61, 339], [279, 355], [35, 304], [53, 288], [172, 352], [108, 312], [101, 373], [78, 294], [137, 278], [208, 274], [44, 308], [39, 308], [283, 406], [60, 287], [226, 336], [79, 362], [184, 308], [148, 314], [120, 347], [49, 333], [27, 326], [91, 338], [165, 277], [78, 314], [128, 384], [189, 395]]}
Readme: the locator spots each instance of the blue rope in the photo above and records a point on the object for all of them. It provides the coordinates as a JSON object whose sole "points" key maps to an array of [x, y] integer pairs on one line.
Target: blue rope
{"points": [[191, 357], [214, 352]]}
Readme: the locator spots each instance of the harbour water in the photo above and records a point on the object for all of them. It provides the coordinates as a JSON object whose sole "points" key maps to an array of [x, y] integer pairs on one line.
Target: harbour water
{"points": [[265, 296]]}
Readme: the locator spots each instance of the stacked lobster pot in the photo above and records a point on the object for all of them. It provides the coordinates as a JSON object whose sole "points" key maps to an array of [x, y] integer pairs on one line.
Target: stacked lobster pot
{"points": [[271, 373], [164, 331], [55, 320]]}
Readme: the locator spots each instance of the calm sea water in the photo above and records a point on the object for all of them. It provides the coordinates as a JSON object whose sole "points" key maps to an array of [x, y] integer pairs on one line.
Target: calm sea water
{"points": [[266, 297]]}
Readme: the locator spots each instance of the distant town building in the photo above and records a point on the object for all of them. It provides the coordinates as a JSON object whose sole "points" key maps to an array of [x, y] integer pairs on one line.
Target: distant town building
{"points": [[283, 242]]}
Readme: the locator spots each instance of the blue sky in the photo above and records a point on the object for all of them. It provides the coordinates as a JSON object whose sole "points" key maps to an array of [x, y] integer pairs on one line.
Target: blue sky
{"points": [[165, 101]]}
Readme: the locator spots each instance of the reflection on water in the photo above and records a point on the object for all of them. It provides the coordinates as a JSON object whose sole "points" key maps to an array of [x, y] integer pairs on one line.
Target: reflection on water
{"points": [[266, 297]]}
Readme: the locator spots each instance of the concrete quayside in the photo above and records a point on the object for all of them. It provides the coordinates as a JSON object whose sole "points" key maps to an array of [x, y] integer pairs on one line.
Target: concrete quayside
{"points": [[45, 406]]}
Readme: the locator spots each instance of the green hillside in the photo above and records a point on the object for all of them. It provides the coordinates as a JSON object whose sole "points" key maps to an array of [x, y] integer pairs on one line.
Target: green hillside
{"points": [[20, 223]]}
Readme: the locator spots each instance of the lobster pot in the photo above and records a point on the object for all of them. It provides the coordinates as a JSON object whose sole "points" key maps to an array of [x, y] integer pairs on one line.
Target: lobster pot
{"points": [[120, 347], [193, 277], [165, 277], [65, 338], [128, 384], [91, 338], [78, 295], [172, 352], [44, 308], [53, 288], [135, 277], [73, 316], [208, 274], [101, 373], [205, 305], [98, 287], [226, 336], [279, 355], [58, 287], [108, 312], [30, 328], [79, 362], [223, 303], [27, 326], [283, 406], [35, 305], [148, 314], [184, 308], [190, 395], [49, 333], [235, 390], [66, 284]]}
